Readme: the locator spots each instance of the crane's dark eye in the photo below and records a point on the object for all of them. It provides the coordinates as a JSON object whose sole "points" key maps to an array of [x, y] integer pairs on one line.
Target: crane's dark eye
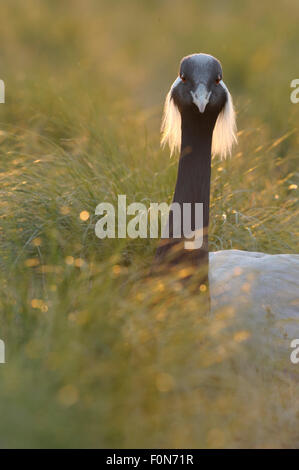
{"points": [[183, 77], [218, 79]]}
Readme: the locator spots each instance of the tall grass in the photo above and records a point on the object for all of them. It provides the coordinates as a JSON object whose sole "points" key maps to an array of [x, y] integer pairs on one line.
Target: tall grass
{"points": [[98, 356]]}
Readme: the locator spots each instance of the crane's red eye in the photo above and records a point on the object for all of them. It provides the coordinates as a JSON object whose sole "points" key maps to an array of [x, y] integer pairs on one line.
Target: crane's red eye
{"points": [[218, 79], [182, 77]]}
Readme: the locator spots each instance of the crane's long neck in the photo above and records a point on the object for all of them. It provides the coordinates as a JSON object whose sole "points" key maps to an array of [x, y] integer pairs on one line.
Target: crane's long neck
{"points": [[194, 170], [194, 176]]}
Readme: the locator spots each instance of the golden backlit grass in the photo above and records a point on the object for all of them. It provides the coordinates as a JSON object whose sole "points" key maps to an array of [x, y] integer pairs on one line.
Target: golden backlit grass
{"points": [[97, 354]]}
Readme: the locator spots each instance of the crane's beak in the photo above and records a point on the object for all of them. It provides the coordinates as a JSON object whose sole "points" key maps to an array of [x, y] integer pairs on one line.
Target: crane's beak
{"points": [[201, 97]]}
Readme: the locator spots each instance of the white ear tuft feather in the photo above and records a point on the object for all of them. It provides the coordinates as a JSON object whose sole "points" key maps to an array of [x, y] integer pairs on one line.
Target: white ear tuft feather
{"points": [[224, 134], [171, 123]]}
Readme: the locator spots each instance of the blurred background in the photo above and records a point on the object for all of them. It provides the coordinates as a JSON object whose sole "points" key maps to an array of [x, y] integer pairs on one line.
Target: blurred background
{"points": [[97, 355]]}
